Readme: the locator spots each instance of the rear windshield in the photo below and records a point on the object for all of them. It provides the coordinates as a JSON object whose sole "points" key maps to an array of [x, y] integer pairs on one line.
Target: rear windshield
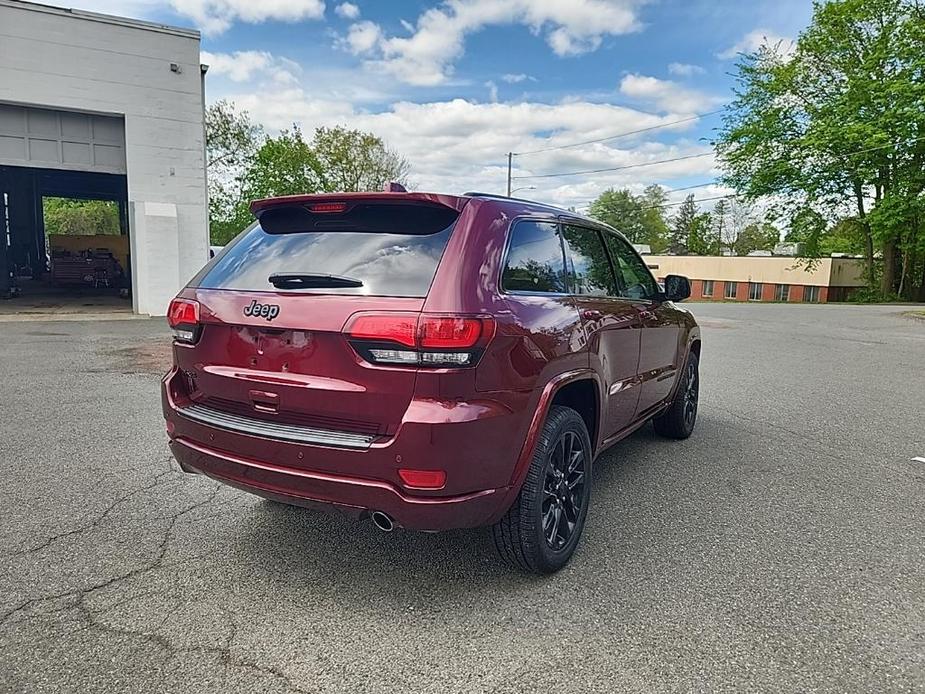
{"points": [[388, 263]]}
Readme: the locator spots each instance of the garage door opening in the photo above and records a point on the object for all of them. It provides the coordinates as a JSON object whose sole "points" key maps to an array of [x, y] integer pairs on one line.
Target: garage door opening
{"points": [[63, 212], [65, 246]]}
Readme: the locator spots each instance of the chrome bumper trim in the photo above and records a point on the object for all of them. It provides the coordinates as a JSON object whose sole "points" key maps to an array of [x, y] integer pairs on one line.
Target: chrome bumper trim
{"points": [[272, 430]]}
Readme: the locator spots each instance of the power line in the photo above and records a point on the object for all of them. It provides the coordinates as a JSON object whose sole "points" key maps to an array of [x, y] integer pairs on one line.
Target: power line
{"points": [[614, 137], [675, 204], [694, 156], [614, 168], [675, 190]]}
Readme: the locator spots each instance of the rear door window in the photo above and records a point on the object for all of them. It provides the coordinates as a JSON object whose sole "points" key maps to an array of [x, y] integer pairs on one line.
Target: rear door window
{"points": [[586, 262], [633, 277], [393, 259], [534, 259]]}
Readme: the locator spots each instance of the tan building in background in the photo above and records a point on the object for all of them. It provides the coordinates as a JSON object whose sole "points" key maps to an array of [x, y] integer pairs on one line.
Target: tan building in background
{"points": [[762, 278]]}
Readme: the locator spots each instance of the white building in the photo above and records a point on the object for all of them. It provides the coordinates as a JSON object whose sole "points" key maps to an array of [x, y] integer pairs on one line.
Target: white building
{"points": [[100, 107]]}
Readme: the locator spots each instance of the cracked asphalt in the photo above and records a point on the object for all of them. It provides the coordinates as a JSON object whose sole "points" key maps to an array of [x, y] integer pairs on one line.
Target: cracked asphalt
{"points": [[780, 549]]}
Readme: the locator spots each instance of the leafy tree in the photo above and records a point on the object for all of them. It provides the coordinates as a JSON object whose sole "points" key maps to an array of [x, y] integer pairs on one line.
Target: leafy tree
{"points": [[654, 198], [704, 238], [756, 237], [284, 165], [81, 217], [351, 160], [232, 141], [621, 210], [684, 227], [639, 218], [246, 164], [819, 238], [838, 128]]}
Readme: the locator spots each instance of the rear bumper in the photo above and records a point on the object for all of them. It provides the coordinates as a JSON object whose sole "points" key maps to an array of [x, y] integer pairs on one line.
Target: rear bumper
{"points": [[354, 495], [476, 453]]}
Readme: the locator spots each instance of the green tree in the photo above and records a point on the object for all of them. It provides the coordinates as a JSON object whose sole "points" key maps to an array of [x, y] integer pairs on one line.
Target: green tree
{"points": [[684, 227], [704, 239], [336, 159], [80, 217], [232, 141], [621, 210], [351, 160], [819, 238], [639, 218], [756, 237], [654, 198], [837, 128]]}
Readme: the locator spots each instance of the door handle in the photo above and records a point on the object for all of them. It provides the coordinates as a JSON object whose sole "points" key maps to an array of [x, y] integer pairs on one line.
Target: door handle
{"points": [[592, 314]]}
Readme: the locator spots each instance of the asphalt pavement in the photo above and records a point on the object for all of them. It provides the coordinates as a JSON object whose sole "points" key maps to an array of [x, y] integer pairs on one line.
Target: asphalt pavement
{"points": [[780, 549]]}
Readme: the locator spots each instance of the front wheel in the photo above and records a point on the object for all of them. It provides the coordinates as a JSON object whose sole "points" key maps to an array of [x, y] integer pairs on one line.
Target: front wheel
{"points": [[540, 531], [677, 422]]}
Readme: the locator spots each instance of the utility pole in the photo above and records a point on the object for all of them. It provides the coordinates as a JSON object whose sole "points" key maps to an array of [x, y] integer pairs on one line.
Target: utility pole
{"points": [[510, 166]]}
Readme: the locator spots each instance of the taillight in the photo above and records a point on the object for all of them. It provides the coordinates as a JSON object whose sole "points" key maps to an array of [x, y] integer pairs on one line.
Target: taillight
{"points": [[414, 339], [183, 317]]}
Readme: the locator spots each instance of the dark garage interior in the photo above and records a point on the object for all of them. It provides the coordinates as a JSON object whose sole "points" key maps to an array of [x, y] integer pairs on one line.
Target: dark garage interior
{"points": [[63, 263]]}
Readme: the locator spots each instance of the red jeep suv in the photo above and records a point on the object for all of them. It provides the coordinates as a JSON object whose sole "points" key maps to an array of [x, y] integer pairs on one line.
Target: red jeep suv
{"points": [[428, 362]]}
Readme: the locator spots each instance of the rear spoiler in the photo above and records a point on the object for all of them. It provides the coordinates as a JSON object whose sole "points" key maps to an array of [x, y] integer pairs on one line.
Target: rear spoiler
{"points": [[397, 213], [453, 201]]}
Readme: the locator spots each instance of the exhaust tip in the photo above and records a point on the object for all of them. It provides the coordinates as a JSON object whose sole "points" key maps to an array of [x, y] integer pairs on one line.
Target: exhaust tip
{"points": [[383, 521]]}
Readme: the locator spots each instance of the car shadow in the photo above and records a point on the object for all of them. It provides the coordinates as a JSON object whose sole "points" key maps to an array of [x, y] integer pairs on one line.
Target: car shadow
{"points": [[305, 545]]}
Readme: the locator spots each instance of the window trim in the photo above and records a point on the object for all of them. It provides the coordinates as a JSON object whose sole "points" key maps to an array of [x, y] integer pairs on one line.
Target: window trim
{"points": [[600, 237], [618, 277], [735, 290], [752, 285], [703, 287], [780, 295], [509, 236], [561, 221]]}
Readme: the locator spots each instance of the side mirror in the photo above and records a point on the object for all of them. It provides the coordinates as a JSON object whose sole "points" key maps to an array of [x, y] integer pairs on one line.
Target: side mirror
{"points": [[677, 288]]}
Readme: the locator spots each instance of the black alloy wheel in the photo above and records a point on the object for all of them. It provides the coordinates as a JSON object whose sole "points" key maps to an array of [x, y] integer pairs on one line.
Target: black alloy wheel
{"points": [[563, 490]]}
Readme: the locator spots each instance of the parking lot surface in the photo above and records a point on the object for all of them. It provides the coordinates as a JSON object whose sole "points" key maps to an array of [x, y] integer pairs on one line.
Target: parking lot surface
{"points": [[781, 548]]}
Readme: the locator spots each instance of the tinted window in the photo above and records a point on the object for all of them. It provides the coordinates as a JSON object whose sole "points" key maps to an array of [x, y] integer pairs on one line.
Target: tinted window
{"points": [[388, 264], [534, 259], [586, 262], [633, 277]]}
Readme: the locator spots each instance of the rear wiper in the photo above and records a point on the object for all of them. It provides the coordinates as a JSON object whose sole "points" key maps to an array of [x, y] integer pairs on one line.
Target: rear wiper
{"points": [[299, 280]]}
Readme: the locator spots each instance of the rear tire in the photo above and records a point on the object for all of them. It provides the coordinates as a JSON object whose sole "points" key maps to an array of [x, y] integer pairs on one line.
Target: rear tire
{"points": [[677, 422], [540, 531]]}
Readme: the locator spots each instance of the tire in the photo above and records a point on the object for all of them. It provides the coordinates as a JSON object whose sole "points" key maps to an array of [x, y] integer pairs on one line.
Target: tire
{"points": [[562, 489], [677, 422]]}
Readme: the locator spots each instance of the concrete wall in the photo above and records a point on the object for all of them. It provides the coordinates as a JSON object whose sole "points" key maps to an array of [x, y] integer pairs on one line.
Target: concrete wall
{"points": [[70, 60], [847, 272], [836, 272]]}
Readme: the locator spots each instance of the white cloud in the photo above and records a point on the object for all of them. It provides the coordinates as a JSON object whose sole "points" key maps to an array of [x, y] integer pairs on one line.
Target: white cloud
{"points": [[492, 90], [244, 66], [361, 38], [757, 38], [666, 95], [685, 69], [347, 10], [438, 39], [216, 16], [511, 78], [460, 145]]}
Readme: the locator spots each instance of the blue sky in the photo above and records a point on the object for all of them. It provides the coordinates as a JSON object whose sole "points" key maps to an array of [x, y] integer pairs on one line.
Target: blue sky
{"points": [[455, 85]]}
